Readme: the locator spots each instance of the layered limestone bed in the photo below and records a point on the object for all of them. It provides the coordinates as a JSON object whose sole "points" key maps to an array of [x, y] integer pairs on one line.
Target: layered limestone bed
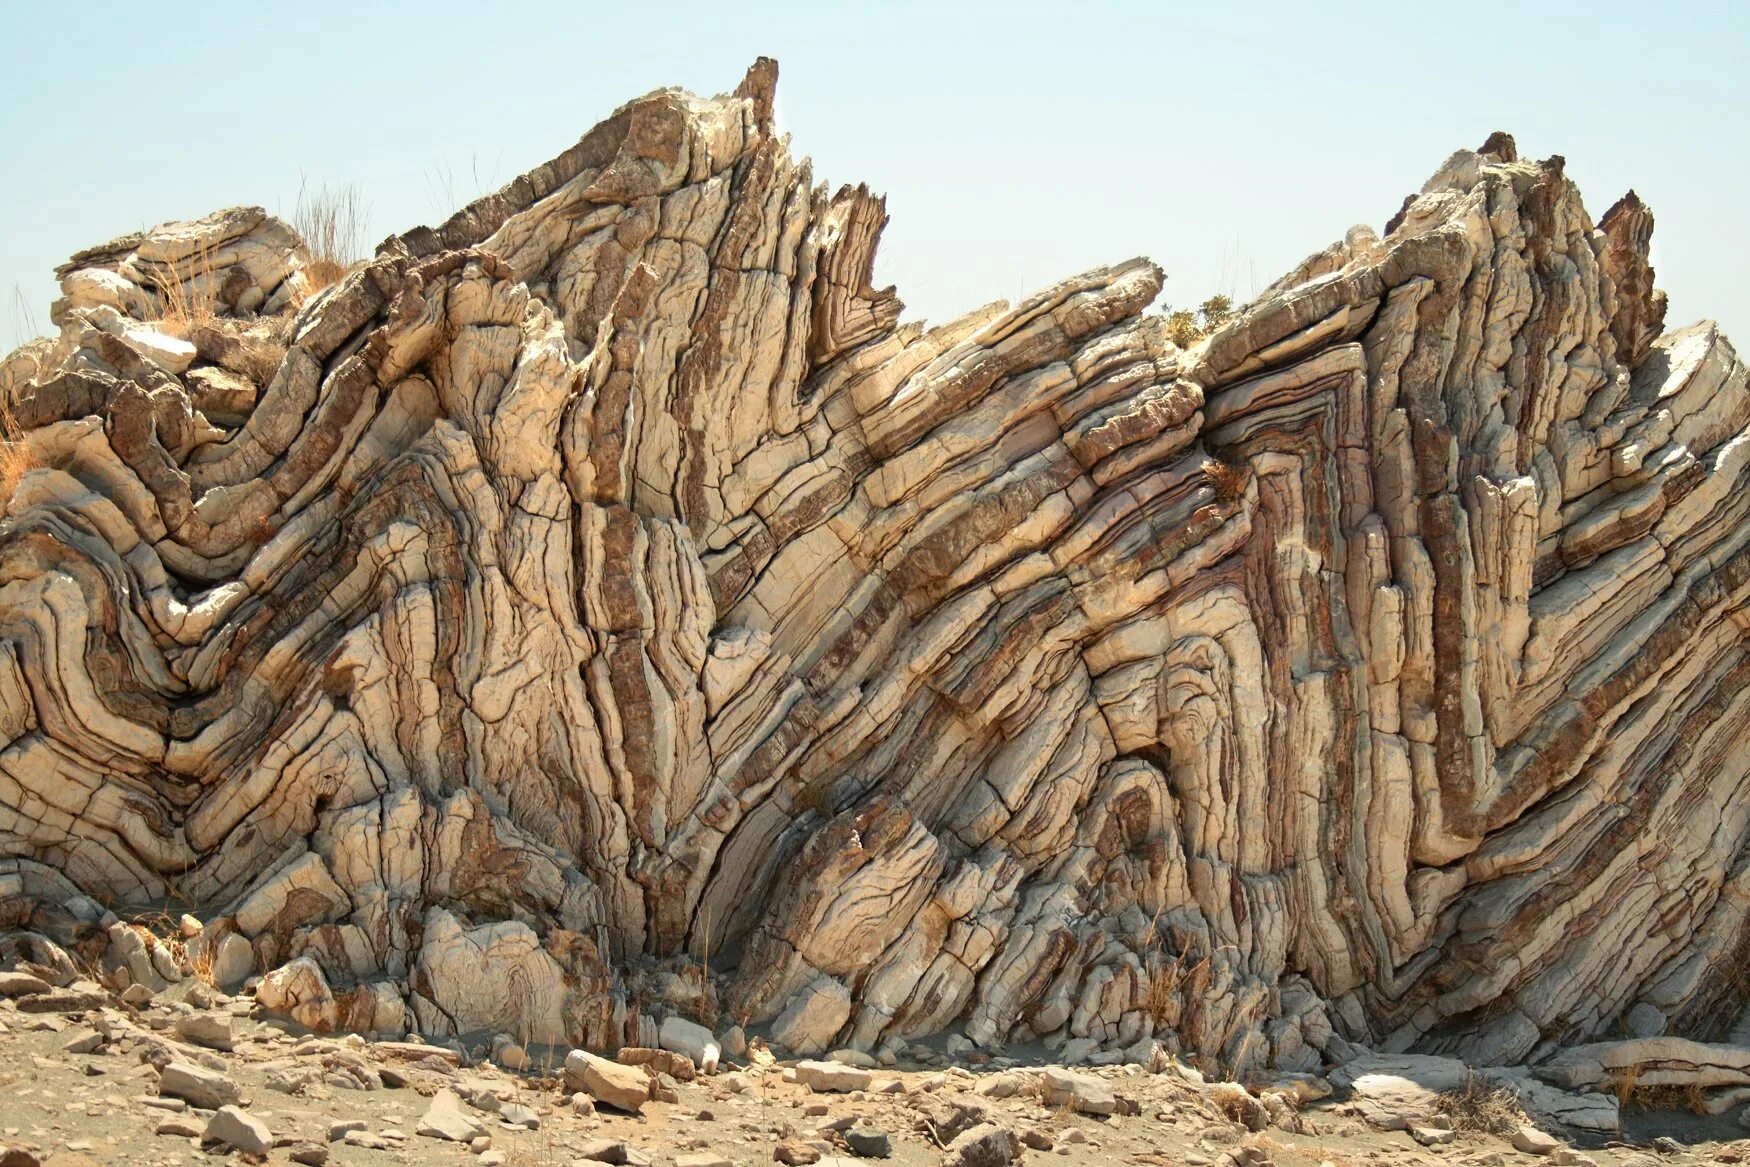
{"points": [[602, 607]]}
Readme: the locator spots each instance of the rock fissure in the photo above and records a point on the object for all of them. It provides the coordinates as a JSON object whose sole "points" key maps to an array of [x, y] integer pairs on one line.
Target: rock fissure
{"points": [[602, 606]]}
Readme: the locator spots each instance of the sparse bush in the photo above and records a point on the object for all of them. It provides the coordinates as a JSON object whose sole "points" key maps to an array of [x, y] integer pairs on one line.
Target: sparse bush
{"points": [[1185, 326], [1480, 1107]]}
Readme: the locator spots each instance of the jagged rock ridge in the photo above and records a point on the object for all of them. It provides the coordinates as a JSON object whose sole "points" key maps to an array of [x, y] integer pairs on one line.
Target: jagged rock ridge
{"points": [[607, 581]]}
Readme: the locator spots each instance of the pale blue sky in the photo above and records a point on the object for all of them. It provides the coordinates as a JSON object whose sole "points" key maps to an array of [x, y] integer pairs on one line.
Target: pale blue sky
{"points": [[1018, 142]]}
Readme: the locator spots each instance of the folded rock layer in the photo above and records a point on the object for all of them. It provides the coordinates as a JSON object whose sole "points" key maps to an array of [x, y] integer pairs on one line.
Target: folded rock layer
{"points": [[605, 595]]}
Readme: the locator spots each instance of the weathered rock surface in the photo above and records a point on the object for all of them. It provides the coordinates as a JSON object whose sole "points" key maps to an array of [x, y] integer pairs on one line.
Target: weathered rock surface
{"points": [[199, 1086], [624, 1087], [238, 1128], [608, 578]]}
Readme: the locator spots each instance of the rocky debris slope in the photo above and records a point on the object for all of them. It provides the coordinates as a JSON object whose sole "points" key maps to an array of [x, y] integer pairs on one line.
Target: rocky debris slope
{"points": [[119, 1083], [602, 608]]}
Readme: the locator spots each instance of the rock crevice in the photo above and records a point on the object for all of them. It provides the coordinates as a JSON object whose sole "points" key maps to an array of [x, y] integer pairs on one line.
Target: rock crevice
{"points": [[604, 606]]}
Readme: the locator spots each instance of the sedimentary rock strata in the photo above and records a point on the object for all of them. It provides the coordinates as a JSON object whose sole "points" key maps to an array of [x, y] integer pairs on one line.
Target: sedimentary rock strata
{"points": [[604, 606]]}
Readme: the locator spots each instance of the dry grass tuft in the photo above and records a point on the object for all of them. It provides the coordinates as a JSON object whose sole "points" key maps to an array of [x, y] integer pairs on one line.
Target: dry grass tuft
{"points": [[1227, 479], [1482, 1108], [16, 456], [1624, 1085], [259, 358], [188, 294], [332, 225], [1692, 1098]]}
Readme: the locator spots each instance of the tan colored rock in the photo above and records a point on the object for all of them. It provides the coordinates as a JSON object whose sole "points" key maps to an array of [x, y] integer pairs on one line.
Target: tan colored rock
{"points": [[622, 1087], [1080, 1092], [199, 1086], [608, 579], [445, 1118], [832, 1076], [238, 1128]]}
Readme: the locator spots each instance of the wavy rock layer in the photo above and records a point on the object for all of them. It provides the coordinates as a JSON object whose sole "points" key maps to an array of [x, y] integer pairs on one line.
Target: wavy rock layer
{"points": [[607, 581]]}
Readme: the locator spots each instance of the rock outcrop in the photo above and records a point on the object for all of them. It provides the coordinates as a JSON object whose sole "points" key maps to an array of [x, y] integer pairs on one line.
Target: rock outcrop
{"points": [[602, 606]]}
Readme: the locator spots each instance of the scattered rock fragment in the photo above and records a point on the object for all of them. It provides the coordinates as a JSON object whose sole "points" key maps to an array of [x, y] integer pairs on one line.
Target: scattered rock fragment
{"points": [[445, 1118], [236, 1127], [199, 1086], [622, 1087], [985, 1145], [1081, 1092]]}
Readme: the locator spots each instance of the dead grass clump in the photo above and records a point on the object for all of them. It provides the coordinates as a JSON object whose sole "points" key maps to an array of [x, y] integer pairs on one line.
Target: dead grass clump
{"points": [[332, 225], [16, 456], [258, 357], [1480, 1107], [1227, 479], [254, 349], [188, 293], [1624, 1085], [1691, 1098]]}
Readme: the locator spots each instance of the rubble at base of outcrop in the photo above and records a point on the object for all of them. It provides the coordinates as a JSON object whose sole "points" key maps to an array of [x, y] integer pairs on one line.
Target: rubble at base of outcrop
{"points": [[114, 1082], [602, 608]]}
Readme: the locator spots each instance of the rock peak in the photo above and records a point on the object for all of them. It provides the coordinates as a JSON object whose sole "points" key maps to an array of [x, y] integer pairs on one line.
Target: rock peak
{"points": [[600, 607]]}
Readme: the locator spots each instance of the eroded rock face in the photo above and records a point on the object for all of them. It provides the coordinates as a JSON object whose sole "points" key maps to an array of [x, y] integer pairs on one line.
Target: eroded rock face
{"points": [[607, 579]]}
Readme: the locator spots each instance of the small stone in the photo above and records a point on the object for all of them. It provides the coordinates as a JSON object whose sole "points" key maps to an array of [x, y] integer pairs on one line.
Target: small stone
{"points": [[185, 1126], [851, 1057], [137, 995], [1036, 1139], [1081, 1092], [869, 1142], [604, 1151], [985, 1145], [445, 1119], [516, 1114], [63, 1001], [206, 1029], [795, 1153], [312, 1154], [1529, 1140], [831, 1076], [622, 1087], [238, 1128], [81, 1041], [1430, 1136], [702, 1159], [681, 1036], [22, 984], [338, 1130], [199, 1086]]}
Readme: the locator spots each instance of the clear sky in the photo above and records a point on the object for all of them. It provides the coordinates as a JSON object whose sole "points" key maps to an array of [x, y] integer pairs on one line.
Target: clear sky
{"points": [[1018, 142]]}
